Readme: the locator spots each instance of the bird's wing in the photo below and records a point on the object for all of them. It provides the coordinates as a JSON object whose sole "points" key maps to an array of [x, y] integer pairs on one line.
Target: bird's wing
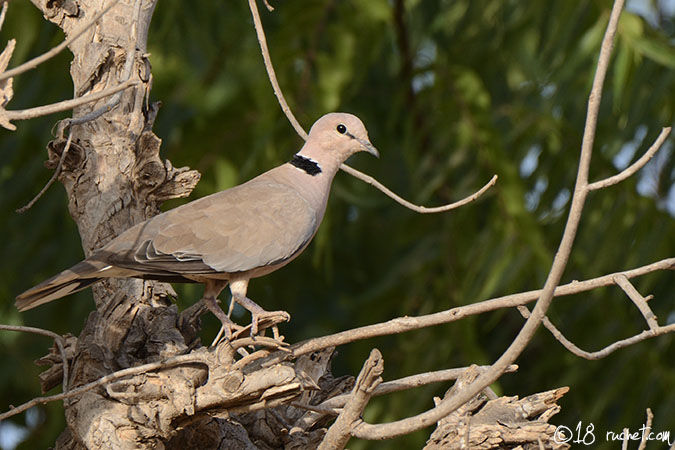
{"points": [[249, 226]]}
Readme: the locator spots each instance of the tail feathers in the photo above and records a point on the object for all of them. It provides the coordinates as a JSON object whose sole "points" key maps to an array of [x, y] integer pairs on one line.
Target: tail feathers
{"points": [[70, 280]]}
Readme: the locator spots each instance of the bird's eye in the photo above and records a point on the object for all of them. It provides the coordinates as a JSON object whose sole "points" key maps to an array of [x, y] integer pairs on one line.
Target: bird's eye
{"points": [[341, 129]]}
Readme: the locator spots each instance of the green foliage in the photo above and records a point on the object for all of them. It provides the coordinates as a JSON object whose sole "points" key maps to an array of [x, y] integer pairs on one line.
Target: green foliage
{"points": [[461, 91]]}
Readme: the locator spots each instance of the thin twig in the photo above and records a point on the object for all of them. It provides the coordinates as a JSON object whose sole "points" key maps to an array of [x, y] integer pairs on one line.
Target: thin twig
{"points": [[58, 339], [404, 324], [637, 165], [638, 300], [65, 105], [647, 430], [420, 209], [55, 175], [574, 349], [260, 32], [33, 63], [405, 383], [269, 7], [171, 362]]}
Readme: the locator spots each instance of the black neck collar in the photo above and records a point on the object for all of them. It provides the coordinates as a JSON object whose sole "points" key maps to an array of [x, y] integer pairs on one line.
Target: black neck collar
{"points": [[309, 166]]}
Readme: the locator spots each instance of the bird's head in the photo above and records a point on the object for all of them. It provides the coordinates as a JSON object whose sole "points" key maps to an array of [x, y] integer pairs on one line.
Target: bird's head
{"points": [[335, 137]]}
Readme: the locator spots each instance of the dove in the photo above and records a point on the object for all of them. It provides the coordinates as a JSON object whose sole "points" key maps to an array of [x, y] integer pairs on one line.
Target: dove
{"points": [[229, 237]]}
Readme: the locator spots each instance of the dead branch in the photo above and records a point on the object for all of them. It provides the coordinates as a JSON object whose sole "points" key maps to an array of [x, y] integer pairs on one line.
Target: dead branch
{"points": [[420, 209], [505, 422], [413, 381], [339, 433], [574, 349], [403, 324], [5, 4], [637, 165], [639, 301], [260, 32], [66, 105], [647, 431]]}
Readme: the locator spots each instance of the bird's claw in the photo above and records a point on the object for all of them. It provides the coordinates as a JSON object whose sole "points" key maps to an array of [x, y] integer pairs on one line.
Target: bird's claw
{"points": [[261, 320]]}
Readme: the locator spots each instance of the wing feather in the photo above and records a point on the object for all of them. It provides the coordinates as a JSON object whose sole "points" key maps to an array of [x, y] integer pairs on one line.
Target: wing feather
{"points": [[253, 225]]}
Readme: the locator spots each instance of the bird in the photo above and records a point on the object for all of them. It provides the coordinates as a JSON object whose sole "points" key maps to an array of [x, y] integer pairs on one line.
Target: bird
{"points": [[229, 237]]}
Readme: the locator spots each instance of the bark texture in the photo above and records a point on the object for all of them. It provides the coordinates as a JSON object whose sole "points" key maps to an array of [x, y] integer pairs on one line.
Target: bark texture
{"points": [[504, 422]]}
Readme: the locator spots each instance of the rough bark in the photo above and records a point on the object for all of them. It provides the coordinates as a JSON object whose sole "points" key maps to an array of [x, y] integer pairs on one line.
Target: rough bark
{"points": [[504, 422]]}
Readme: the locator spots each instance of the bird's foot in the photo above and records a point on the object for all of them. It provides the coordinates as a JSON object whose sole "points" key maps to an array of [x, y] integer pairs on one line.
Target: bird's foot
{"points": [[229, 328], [261, 320]]}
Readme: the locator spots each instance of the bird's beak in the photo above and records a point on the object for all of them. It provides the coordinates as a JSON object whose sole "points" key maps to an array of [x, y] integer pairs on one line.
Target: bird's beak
{"points": [[367, 146]]}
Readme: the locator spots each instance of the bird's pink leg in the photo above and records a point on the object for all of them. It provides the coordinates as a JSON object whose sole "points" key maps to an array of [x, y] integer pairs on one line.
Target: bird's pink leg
{"points": [[260, 318], [212, 289]]}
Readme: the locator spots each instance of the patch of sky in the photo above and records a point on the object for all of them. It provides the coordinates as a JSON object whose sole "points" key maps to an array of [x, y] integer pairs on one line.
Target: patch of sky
{"points": [[533, 197], [530, 162]]}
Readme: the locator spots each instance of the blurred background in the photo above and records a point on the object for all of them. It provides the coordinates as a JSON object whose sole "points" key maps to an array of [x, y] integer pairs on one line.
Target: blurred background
{"points": [[451, 92]]}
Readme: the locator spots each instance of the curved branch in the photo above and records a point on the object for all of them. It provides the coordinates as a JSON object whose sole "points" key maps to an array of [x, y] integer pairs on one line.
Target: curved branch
{"points": [[270, 70], [420, 209], [574, 349], [58, 339], [403, 324], [637, 165], [67, 104]]}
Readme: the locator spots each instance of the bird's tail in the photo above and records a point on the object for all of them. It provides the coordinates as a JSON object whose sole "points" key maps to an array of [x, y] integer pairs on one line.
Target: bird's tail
{"points": [[70, 280]]}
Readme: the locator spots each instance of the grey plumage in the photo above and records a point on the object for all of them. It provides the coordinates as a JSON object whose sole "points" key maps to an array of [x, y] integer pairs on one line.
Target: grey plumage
{"points": [[231, 236]]}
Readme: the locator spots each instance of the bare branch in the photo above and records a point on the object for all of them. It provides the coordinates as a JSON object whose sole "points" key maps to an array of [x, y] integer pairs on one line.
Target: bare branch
{"points": [[269, 7], [569, 345], [637, 165], [171, 362], [68, 104], [339, 433], [403, 324], [5, 4], [33, 63], [58, 340], [420, 209], [406, 383], [55, 175], [647, 431], [270, 70], [639, 300]]}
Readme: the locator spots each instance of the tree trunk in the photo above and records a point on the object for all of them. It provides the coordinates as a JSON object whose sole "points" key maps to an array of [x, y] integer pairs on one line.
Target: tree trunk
{"points": [[114, 178]]}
